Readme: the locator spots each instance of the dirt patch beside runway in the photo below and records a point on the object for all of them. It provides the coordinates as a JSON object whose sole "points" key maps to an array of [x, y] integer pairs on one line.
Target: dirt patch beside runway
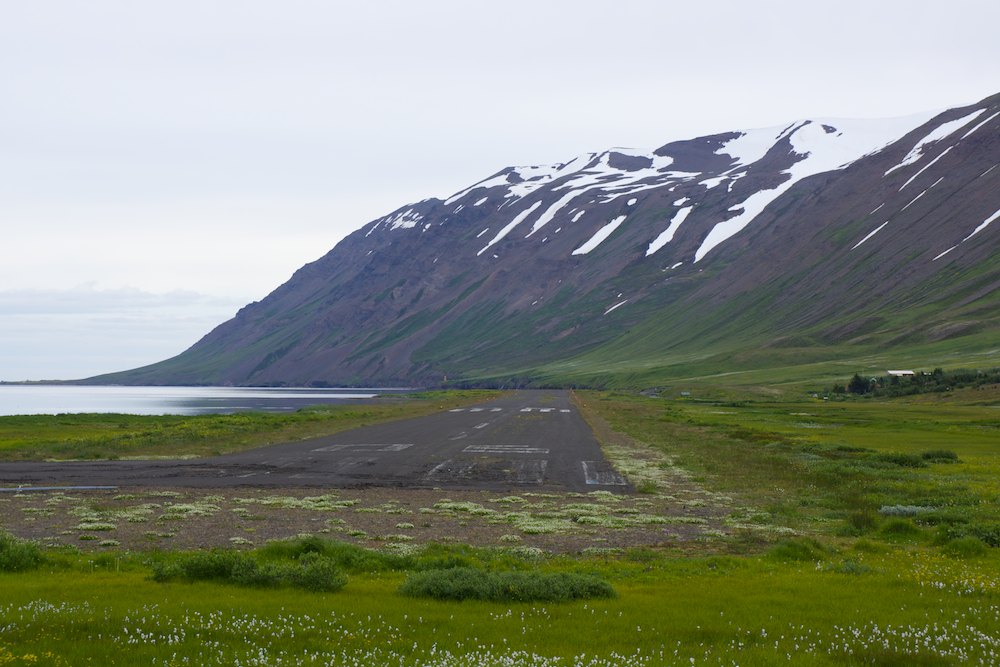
{"points": [[143, 519]]}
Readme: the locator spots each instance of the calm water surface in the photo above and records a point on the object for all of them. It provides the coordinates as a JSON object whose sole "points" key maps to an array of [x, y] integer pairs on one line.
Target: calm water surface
{"points": [[61, 399]]}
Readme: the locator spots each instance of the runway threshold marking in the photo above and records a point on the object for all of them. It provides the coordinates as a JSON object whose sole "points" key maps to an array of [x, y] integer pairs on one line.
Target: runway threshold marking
{"points": [[516, 471], [599, 473]]}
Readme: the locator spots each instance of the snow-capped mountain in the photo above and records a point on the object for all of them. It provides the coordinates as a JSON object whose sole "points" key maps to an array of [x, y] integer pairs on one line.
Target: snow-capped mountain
{"points": [[824, 234]]}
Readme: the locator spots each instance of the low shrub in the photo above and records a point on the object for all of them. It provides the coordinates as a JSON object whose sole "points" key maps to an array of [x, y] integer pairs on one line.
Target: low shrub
{"points": [[471, 584], [848, 566], [939, 456], [319, 574], [443, 562], [862, 521], [17, 555], [643, 555], [312, 571], [944, 517], [348, 556], [897, 527], [988, 533], [904, 510], [867, 546], [965, 547], [647, 486], [797, 550], [901, 459]]}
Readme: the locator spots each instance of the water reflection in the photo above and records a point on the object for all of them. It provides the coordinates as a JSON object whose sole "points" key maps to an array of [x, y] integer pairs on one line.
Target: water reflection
{"points": [[63, 399]]}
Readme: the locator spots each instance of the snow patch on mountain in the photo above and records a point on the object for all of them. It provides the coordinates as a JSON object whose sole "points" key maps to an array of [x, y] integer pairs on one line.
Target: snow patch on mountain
{"points": [[870, 234], [914, 200], [600, 176], [944, 253], [617, 305], [518, 219], [825, 145], [667, 236], [752, 145], [926, 167], [713, 182], [937, 134], [598, 238], [966, 135], [407, 219], [983, 226]]}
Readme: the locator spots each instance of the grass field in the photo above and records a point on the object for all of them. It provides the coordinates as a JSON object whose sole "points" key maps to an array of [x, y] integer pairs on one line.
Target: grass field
{"points": [[859, 531]]}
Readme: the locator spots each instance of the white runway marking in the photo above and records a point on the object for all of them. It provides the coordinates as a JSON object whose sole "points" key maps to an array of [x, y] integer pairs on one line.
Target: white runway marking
{"points": [[599, 472], [475, 409], [483, 425], [366, 447], [505, 449], [461, 435], [517, 471], [497, 410]]}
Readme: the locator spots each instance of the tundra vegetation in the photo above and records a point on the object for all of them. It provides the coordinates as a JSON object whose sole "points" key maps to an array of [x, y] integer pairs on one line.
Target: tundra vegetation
{"points": [[769, 526]]}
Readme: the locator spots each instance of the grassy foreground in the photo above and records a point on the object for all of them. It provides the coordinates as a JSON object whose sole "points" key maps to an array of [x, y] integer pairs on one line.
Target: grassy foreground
{"points": [[862, 531], [894, 606]]}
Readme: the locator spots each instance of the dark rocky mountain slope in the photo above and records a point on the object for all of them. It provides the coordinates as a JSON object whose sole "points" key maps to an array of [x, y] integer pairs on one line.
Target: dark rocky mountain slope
{"points": [[784, 244]]}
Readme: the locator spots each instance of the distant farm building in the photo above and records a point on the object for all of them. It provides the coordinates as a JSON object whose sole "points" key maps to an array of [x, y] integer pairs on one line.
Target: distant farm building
{"points": [[900, 374]]}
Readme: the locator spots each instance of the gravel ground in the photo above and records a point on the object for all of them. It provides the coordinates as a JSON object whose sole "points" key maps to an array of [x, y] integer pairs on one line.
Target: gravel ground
{"points": [[148, 519]]}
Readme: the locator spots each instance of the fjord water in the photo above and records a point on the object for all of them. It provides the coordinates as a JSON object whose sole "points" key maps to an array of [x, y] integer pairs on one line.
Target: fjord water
{"points": [[40, 399]]}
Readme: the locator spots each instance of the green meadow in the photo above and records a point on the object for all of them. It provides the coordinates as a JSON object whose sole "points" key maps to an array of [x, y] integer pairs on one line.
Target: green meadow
{"points": [[859, 531]]}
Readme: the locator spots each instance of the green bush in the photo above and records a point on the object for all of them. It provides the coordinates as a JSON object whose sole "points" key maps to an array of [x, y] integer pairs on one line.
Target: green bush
{"points": [[849, 566], [988, 533], [643, 555], [939, 456], [318, 574], [18, 555], [471, 584], [248, 572], [901, 459], [965, 547], [647, 486], [897, 527], [862, 521], [211, 565], [347, 556], [312, 571], [797, 550], [904, 510]]}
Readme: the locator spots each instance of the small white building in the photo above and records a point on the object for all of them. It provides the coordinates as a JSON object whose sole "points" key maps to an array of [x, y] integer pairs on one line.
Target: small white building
{"points": [[900, 374]]}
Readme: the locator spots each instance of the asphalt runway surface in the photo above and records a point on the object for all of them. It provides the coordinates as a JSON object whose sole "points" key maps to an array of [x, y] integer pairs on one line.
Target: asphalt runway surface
{"points": [[529, 439]]}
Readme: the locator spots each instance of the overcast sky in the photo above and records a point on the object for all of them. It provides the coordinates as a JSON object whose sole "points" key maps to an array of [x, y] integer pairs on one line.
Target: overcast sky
{"points": [[164, 163]]}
